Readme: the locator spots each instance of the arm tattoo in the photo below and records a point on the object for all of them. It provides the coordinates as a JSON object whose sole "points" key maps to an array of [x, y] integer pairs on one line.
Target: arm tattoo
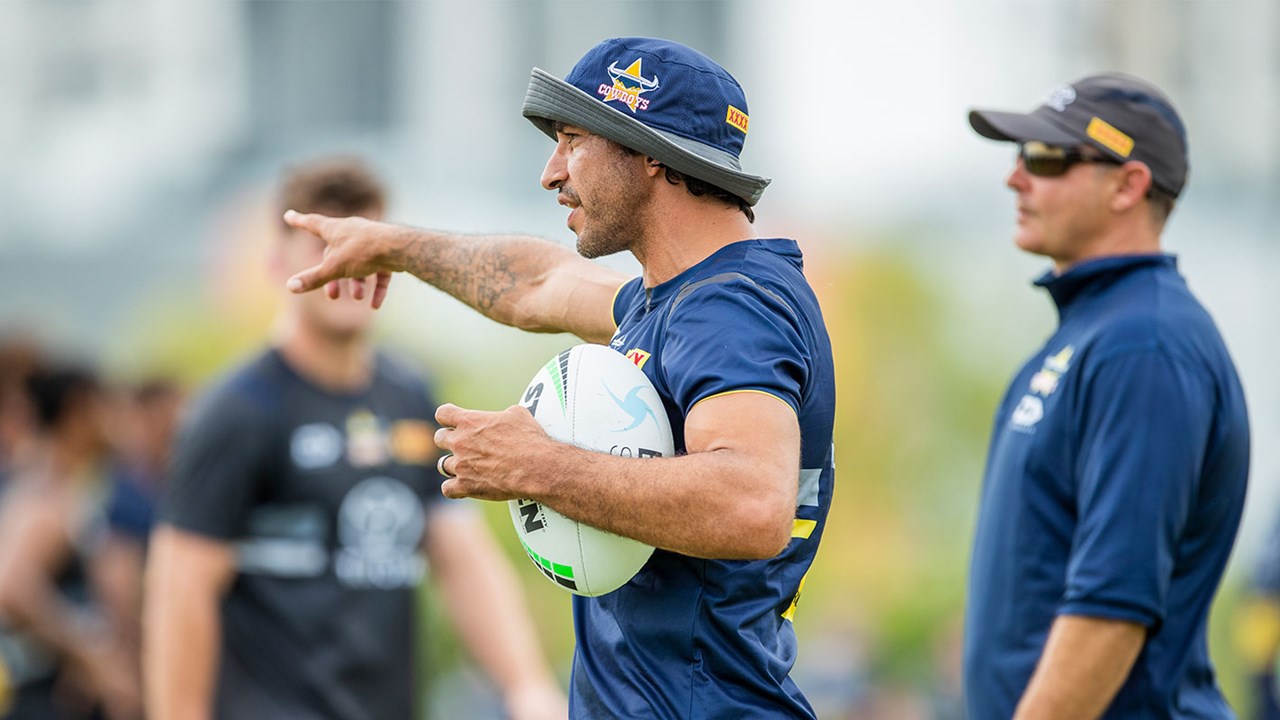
{"points": [[485, 272]]}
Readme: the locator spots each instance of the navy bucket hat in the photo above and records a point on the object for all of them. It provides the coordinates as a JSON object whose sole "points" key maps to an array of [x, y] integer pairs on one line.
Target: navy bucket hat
{"points": [[657, 97]]}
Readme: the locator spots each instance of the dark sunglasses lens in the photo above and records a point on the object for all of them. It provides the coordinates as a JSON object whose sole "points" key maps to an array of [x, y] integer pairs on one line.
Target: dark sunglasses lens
{"points": [[1046, 166], [1044, 160]]}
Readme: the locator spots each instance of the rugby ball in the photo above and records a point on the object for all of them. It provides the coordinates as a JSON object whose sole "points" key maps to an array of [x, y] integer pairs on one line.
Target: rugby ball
{"points": [[593, 397]]}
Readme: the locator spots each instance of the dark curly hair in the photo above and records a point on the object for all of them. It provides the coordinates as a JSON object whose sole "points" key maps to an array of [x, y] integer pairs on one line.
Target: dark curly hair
{"points": [[699, 188]]}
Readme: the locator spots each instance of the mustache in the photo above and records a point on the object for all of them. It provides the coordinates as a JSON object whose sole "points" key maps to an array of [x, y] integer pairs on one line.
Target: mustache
{"points": [[570, 195]]}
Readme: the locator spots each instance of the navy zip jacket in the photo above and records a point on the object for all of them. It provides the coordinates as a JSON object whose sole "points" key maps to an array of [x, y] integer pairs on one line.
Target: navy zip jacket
{"points": [[1114, 487]]}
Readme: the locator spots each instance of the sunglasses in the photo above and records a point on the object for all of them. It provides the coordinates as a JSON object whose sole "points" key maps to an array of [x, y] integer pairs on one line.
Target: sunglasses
{"points": [[1044, 160]]}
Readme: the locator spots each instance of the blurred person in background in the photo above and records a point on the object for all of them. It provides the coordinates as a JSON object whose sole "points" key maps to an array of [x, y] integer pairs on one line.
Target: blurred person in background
{"points": [[648, 135], [148, 418], [282, 573], [19, 358], [1117, 468], [61, 652], [144, 419], [1257, 631]]}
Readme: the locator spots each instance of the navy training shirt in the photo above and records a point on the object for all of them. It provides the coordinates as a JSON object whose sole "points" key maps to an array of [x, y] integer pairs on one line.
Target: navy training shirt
{"points": [[694, 638], [1114, 487]]}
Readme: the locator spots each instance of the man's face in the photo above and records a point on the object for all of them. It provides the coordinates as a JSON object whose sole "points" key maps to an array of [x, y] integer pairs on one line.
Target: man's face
{"points": [[345, 317], [1059, 217], [605, 187]]}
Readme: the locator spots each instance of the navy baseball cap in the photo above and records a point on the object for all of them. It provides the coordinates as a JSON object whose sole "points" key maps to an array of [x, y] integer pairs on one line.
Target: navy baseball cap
{"points": [[657, 97], [1123, 116]]}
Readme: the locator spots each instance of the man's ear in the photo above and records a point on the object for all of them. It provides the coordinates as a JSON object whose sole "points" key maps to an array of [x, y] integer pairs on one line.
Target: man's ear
{"points": [[653, 166], [1134, 184]]}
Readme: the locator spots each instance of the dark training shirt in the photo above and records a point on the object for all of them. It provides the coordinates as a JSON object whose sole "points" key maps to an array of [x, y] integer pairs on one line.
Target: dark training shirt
{"points": [[324, 497]]}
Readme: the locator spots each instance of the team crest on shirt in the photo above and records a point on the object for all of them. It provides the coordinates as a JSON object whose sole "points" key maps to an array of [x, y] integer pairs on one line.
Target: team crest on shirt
{"points": [[315, 446], [628, 85], [1060, 362], [380, 524], [1030, 409], [366, 442], [412, 442], [1043, 383]]}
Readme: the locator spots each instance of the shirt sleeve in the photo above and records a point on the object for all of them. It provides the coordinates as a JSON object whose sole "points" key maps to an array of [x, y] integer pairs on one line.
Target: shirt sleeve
{"points": [[222, 456], [732, 336], [1146, 419], [625, 298]]}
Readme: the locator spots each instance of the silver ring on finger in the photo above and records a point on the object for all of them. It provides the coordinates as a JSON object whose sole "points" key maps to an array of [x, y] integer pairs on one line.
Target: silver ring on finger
{"points": [[440, 466]]}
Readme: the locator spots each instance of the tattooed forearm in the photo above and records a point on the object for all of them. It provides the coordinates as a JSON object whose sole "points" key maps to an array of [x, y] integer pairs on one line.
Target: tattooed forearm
{"points": [[489, 273]]}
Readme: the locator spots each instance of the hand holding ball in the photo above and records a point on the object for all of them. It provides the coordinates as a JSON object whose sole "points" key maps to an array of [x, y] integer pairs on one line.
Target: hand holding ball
{"points": [[592, 397]]}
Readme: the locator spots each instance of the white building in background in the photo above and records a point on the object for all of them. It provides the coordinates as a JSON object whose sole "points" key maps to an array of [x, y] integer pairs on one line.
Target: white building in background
{"points": [[115, 101], [106, 104], [864, 91]]}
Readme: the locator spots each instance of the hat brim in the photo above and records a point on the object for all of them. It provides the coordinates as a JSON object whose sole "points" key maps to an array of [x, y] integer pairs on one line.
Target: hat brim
{"points": [[550, 99], [1019, 127]]}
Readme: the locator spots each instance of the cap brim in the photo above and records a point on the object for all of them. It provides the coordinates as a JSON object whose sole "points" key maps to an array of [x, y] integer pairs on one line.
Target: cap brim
{"points": [[550, 100], [1019, 127]]}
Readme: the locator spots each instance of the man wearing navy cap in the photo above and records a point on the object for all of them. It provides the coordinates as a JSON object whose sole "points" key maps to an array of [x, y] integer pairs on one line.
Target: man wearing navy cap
{"points": [[648, 136], [1116, 474]]}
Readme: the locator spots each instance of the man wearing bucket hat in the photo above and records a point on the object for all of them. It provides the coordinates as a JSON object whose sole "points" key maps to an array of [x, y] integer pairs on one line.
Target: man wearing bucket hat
{"points": [[648, 135], [1116, 474]]}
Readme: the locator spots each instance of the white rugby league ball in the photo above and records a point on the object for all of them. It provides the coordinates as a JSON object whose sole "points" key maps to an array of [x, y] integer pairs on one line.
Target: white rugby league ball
{"points": [[593, 397]]}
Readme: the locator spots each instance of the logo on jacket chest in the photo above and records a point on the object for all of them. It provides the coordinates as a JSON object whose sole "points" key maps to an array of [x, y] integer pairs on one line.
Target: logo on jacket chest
{"points": [[1030, 409]]}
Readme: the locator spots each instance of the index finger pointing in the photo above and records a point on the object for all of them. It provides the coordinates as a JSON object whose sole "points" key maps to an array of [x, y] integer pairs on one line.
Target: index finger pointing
{"points": [[313, 223]]}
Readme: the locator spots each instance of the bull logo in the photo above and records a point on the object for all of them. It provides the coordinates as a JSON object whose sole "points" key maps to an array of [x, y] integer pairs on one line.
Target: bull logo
{"points": [[628, 85]]}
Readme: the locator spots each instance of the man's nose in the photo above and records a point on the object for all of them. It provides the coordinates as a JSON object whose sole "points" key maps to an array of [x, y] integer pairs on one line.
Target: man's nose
{"points": [[557, 169], [1017, 179]]}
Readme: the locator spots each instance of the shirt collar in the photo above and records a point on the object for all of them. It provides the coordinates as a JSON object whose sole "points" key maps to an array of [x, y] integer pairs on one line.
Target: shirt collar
{"points": [[1065, 288], [785, 247]]}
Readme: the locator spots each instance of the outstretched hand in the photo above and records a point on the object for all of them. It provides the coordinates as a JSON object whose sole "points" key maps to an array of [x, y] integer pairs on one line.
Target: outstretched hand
{"points": [[353, 252]]}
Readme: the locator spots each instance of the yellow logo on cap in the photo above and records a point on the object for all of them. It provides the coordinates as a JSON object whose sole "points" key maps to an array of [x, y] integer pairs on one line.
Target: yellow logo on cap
{"points": [[737, 118], [1110, 137]]}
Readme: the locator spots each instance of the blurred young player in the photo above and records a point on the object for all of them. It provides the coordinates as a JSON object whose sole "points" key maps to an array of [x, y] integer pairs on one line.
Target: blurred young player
{"points": [[282, 575]]}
